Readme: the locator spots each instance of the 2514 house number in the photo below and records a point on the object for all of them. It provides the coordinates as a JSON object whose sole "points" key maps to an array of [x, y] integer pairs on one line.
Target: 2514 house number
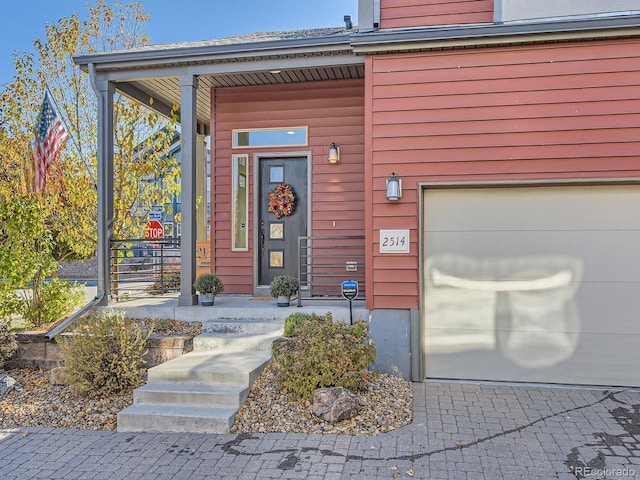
{"points": [[394, 241]]}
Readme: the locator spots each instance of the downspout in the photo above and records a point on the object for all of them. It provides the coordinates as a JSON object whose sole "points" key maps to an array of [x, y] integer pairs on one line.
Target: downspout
{"points": [[92, 79], [62, 326]]}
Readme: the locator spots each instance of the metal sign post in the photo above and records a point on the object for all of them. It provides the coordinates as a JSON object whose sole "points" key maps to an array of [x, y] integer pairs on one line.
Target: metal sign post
{"points": [[349, 292]]}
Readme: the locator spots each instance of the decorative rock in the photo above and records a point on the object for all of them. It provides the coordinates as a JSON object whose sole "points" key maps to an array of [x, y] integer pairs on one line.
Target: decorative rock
{"points": [[8, 385], [335, 404], [57, 376]]}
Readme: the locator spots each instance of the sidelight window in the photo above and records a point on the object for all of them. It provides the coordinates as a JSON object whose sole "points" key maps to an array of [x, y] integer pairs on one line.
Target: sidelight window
{"points": [[240, 197]]}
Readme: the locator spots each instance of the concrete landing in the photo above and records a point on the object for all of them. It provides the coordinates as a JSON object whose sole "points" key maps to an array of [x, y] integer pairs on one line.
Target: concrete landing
{"points": [[238, 307]]}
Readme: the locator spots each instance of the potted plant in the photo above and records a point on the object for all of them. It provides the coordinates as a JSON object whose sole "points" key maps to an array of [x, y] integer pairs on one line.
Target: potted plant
{"points": [[208, 284], [282, 287]]}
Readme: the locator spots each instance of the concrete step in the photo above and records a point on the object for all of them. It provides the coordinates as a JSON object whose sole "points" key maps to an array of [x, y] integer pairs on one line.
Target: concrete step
{"points": [[263, 310], [201, 391], [153, 418], [247, 327], [191, 394], [225, 368], [235, 341]]}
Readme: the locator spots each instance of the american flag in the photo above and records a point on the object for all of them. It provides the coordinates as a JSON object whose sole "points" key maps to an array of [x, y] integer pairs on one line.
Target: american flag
{"points": [[50, 135]]}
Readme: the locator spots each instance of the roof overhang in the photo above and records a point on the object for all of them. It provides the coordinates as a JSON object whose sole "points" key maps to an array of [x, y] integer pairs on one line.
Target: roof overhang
{"points": [[151, 75], [491, 34]]}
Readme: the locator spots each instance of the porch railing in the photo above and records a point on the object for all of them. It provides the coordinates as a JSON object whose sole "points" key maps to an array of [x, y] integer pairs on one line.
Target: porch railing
{"points": [[324, 262], [140, 267]]}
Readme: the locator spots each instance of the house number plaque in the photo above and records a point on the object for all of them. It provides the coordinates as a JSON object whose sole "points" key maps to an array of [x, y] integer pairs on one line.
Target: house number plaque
{"points": [[394, 241]]}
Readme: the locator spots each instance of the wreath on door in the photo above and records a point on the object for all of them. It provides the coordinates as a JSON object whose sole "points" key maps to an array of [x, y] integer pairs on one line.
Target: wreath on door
{"points": [[281, 200]]}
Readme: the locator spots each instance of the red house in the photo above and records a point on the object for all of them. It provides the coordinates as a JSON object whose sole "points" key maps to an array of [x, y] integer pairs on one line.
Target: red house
{"points": [[475, 162]]}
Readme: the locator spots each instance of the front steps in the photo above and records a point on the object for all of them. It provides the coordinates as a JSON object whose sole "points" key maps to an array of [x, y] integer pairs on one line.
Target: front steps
{"points": [[201, 392]]}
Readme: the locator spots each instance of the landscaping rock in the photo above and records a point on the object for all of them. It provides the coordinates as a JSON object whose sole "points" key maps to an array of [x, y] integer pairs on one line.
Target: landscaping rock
{"points": [[57, 376], [335, 404], [8, 385]]}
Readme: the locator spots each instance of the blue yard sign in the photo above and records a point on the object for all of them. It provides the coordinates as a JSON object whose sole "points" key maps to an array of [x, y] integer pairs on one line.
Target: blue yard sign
{"points": [[349, 292], [350, 289]]}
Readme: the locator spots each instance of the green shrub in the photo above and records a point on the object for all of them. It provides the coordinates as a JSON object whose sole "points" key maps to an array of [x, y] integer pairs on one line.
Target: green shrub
{"points": [[8, 344], [55, 299], [103, 356], [324, 354], [294, 321], [11, 305], [209, 283], [283, 286]]}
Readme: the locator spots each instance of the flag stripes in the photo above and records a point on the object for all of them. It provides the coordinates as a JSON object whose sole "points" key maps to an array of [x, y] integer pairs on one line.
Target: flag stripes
{"points": [[50, 135]]}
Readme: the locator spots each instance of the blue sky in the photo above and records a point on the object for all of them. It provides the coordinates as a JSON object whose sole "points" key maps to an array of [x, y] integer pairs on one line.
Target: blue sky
{"points": [[173, 21]]}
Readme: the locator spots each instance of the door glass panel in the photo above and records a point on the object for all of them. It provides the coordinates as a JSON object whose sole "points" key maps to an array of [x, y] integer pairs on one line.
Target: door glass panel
{"points": [[276, 174], [276, 231], [276, 259]]}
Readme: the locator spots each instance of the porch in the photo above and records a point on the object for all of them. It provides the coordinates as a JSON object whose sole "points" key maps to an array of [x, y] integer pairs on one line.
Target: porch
{"points": [[238, 308], [231, 85]]}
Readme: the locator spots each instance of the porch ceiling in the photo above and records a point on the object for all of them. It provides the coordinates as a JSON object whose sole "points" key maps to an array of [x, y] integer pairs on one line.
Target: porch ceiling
{"points": [[165, 91]]}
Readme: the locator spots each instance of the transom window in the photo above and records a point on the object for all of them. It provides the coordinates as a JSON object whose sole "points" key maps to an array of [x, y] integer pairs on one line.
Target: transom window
{"points": [[270, 137]]}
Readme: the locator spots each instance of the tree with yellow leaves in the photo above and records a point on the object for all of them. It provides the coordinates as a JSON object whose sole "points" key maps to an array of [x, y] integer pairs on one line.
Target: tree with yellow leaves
{"points": [[144, 173]]}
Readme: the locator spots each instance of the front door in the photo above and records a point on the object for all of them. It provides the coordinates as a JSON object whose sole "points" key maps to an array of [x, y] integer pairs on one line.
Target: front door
{"points": [[278, 237]]}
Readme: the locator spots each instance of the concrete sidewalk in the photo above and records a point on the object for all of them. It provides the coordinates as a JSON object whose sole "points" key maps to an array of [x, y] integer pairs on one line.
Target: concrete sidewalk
{"points": [[460, 431]]}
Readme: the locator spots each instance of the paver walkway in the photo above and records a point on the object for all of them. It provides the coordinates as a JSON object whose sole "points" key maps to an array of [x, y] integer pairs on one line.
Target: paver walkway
{"points": [[460, 431]]}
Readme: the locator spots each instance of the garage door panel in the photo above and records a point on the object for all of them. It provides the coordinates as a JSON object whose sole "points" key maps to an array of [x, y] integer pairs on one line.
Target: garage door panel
{"points": [[532, 208], [597, 360], [605, 256], [533, 284], [605, 307]]}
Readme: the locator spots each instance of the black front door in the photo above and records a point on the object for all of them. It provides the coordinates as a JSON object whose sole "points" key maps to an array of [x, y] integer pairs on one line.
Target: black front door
{"points": [[278, 237]]}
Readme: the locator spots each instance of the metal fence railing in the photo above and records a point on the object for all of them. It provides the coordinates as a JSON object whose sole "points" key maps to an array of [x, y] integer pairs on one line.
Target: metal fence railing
{"points": [[141, 267], [324, 262]]}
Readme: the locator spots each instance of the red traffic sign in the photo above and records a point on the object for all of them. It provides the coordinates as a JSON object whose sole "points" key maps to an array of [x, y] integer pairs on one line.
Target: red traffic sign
{"points": [[153, 230]]}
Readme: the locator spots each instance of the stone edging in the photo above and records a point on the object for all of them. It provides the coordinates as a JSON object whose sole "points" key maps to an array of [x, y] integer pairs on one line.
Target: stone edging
{"points": [[34, 351]]}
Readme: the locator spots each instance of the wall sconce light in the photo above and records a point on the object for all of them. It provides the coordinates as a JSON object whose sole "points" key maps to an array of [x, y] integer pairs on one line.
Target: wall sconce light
{"points": [[394, 187], [334, 153]]}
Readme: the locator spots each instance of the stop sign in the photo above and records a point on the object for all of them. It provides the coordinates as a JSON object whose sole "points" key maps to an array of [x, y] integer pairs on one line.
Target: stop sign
{"points": [[153, 229]]}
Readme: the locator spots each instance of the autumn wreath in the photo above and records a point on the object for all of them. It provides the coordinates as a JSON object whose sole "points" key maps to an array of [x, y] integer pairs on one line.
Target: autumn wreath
{"points": [[282, 200]]}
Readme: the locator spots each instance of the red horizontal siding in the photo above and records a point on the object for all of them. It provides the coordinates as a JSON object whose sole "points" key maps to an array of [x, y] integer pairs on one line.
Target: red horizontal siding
{"points": [[333, 112], [419, 13], [561, 111]]}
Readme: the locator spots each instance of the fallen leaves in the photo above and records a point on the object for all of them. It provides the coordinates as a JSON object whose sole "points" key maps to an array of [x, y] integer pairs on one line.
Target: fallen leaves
{"points": [[397, 474], [40, 404]]}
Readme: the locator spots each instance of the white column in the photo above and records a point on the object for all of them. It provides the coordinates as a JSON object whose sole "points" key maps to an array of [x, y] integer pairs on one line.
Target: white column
{"points": [[105, 93], [188, 90]]}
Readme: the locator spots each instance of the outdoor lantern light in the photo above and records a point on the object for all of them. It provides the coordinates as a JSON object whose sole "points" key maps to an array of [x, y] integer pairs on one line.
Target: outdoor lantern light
{"points": [[394, 187], [334, 153]]}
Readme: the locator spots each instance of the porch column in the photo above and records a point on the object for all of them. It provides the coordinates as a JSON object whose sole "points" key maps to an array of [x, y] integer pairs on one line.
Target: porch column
{"points": [[105, 92], [188, 89]]}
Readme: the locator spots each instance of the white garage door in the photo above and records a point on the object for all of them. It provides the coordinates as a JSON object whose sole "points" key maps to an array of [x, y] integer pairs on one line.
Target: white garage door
{"points": [[533, 284]]}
